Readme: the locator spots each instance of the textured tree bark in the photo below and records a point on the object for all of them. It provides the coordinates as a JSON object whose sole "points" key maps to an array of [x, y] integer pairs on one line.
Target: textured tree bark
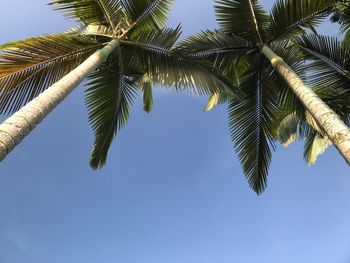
{"points": [[326, 118], [20, 124]]}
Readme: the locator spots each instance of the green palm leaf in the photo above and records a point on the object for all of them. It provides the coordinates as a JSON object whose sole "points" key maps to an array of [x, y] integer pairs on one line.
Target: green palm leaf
{"points": [[293, 128], [341, 15], [251, 123], [287, 130], [108, 99], [147, 93], [236, 16], [172, 67], [237, 74], [122, 16], [330, 65], [149, 14], [28, 67], [223, 49], [290, 17], [102, 12], [315, 145]]}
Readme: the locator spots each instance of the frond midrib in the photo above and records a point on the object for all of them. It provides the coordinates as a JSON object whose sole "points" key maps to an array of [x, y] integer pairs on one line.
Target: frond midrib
{"points": [[299, 23], [338, 68], [46, 63]]}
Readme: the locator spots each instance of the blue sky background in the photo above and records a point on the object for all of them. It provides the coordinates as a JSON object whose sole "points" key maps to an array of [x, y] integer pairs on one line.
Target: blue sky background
{"points": [[173, 190]]}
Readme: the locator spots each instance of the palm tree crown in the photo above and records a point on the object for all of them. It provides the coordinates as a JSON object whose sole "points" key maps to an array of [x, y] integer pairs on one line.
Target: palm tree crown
{"points": [[144, 54], [242, 49]]}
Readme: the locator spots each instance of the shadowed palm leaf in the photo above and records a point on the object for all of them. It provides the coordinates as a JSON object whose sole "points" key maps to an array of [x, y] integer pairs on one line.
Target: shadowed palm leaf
{"points": [[108, 99]]}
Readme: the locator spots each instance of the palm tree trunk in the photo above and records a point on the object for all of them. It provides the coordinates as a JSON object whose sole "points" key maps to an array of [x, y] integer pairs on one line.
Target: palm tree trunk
{"points": [[327, 119], [20, 124]]}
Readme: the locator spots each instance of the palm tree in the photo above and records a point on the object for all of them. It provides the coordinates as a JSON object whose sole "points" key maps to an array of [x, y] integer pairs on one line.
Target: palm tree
{"points": [[256, 50], [329, 75], [120, 45]]}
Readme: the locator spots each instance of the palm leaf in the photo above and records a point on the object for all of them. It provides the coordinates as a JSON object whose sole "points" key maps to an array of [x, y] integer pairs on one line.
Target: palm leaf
{"points": [[101, 12], [341, 15], [108, 99], [172, 67], [315, 145], [290, 17], [147, 93], [237, 74], [236, 17], [94, 30], [216, 99], [28, 67], [145, 15], [223, 49], [251, 123], [287, 131], [122, 16], [329, 67]]}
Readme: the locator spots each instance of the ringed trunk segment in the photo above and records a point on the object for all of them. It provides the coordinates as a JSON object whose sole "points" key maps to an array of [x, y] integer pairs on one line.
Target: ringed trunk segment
{"points": [[14, 129], [326, 118]]}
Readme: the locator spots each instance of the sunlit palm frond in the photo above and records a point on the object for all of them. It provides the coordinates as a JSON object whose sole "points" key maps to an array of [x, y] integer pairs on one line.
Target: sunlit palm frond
{"points": [[103, 12], [288, 129], [146, 86], [95, 30], [292, 129], [122, 16], [315, 145], [28, 67]]}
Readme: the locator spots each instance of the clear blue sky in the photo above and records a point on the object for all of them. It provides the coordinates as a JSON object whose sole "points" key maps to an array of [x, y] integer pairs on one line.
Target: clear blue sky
{"points": [[173, 190]]}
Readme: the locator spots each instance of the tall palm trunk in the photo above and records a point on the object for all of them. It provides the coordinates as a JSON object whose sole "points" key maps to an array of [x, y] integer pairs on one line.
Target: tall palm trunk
{"points": [[327, 119], [14, 129]]}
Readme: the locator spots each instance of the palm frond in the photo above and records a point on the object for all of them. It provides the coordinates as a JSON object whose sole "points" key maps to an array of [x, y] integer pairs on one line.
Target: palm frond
{"points": [[292, 128], [223, 49], [291, 17], [251, 123], [173, 67], [145, 15], [13, 44], [341, 15], [237, 75], [312, 122], [329, 67], [288, 129], [28, 67], [236, 17], [315, 145], [147, 93], [108, 99], [216, 99], [92, 30], [102, 12]]}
